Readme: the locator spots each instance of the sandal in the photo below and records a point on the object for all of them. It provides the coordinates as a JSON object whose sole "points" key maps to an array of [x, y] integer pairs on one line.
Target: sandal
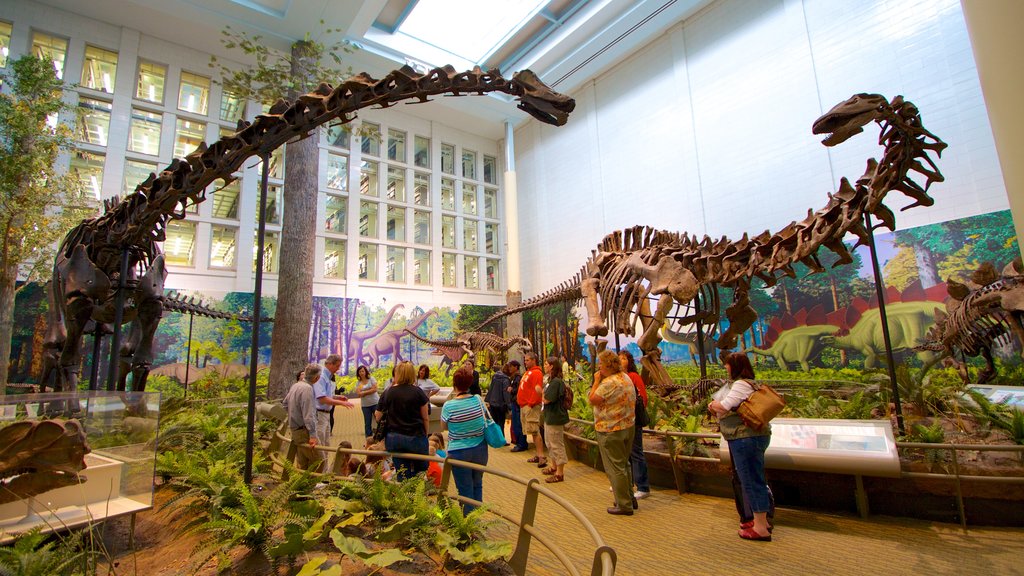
{"points": [[542, 463], [555, 478], [548, 471], [534, 459]]}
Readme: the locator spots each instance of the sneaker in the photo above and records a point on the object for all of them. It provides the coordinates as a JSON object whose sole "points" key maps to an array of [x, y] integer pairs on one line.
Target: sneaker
{"points": [[640, 494]]}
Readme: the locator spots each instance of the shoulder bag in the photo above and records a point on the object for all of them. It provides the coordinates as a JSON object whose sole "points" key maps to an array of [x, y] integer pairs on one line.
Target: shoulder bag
{"points": [[761, 406], [381, 432], [493, 433]]}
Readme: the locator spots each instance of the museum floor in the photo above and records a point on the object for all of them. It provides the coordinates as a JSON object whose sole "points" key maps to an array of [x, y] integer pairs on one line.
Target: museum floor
{"points": [[675, 534]]}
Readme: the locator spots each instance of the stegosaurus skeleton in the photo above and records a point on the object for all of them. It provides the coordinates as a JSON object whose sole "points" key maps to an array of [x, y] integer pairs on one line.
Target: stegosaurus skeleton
{"points": [[630, 266], [88, 263]]}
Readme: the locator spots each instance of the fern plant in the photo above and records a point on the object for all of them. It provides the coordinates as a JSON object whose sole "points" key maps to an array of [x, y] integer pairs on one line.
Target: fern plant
{"points": [[37, 554]]}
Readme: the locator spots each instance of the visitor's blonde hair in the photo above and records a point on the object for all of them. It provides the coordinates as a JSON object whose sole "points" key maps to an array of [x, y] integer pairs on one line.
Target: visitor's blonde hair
{"points": [[405, 373], [609, 359]]}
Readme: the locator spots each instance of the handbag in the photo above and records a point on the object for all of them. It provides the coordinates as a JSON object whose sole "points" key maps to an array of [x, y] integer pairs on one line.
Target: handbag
{"points": [[381, 431], [761, 406], [493, 433]]}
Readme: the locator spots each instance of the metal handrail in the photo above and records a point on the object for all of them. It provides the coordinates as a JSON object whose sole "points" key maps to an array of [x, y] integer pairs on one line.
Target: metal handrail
{"points": [[604, 556]]}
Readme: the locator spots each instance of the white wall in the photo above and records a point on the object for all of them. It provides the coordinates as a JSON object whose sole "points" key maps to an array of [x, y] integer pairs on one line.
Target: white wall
{"points": [[707, 129]]}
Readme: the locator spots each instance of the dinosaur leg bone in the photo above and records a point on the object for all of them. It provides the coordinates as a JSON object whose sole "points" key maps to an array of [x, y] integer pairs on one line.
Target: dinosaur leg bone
{"points": [[596, 325]]}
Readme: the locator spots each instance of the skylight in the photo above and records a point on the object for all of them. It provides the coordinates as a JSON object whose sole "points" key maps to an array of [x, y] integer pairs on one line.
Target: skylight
{"points": [[469, 29]]}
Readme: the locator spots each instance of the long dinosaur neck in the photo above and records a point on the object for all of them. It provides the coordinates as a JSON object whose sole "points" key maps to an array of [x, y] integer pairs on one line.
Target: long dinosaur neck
{"points": [[183, 183], [380, 327]]}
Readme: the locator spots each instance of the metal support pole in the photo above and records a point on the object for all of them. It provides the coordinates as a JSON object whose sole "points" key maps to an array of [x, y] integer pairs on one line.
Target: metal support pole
{"points": [[700, 337], [97, 344], [880, 292], [257, 295], [188, 351], [115, 341]]}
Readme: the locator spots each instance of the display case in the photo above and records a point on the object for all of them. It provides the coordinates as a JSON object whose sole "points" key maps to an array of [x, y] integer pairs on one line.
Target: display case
{"points": [[1012, 396], [120, 430]]}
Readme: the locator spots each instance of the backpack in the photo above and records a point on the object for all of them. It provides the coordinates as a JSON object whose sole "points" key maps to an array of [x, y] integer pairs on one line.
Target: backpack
{"points": [[567, 396], [641, 419]]}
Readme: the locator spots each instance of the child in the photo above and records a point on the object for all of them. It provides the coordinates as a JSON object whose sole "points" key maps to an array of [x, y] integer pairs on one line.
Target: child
{"points": [[436, 443]]}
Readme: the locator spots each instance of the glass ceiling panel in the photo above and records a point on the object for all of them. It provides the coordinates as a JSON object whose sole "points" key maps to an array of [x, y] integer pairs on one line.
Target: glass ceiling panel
{"points": [[482, 26]]}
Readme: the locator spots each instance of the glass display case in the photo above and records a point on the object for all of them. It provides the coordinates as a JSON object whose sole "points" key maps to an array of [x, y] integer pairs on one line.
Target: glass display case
{"points": [[1012, 396], [120, 433]]}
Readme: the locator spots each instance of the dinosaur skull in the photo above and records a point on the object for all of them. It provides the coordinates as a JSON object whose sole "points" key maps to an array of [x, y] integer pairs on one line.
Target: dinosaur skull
{"points": [[541, 102], [847, 118]]}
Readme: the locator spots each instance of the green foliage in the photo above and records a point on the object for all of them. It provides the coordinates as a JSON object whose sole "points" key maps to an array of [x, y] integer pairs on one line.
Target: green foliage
{"points": [[166, 386], [36, 554], [355, 548]]}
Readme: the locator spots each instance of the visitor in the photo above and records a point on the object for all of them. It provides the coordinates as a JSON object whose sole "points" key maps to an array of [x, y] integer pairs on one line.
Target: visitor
{"points": [[435, 443], [323, 391], [406, 407], [366, 389], [463, 417], [746, 445], [348, 464], [377, 463], [613, 397], [469, 364], [530, 398], [637, 460], [516, 426], [566, 374], [499, 397], [302, 421], [429, 387], [556, 416]]}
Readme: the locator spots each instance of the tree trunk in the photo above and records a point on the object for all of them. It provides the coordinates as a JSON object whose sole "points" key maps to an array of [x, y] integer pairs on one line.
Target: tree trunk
{"points": [[295, 279], [8, 285], [926, 269]]}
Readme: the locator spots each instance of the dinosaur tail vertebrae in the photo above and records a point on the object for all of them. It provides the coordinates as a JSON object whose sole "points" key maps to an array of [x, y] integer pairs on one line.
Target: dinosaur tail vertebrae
{"points": [[566, 292]]}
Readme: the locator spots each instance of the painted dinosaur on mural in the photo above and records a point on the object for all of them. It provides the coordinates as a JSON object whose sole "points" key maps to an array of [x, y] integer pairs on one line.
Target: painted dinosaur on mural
{"points": [[689, 339], [798, 345], [390, 342], [632, 267], [908, 324], [39, 456], [356, 354], [984, 313], [122, 243], [472, 343]]}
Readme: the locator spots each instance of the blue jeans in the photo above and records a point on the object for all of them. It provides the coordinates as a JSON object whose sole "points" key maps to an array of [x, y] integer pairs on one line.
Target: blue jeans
{"points": [[517, 429], [470, 483], [748, 456], [368, 420], [403, 443], [638, 462]]}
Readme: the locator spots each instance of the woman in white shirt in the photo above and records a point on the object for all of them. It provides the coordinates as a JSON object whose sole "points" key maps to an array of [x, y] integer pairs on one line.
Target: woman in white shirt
{"points": [[366, 389]]}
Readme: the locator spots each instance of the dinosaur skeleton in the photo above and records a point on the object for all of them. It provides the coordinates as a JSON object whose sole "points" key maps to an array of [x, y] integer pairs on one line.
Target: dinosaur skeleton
{"points": [[470, 343], [88, 266], [37, 457], [633, 267], [984, 313]]}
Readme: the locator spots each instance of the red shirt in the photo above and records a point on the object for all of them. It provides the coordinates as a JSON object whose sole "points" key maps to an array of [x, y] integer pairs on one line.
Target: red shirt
{"points": [[639, 383], [528, 385]]}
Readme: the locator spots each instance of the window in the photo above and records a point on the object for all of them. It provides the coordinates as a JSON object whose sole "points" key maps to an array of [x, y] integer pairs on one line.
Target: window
{"points": [[396, 184], [490, 170], [469, 234], [277, 163], [194, 93], [135, 173], [188, 134], [370, 139], [448, 231], [447, 158], [491, 238], [99, 69], [421, 152], [421, 227], [337, 214], [88, 168], [396, 145], [396, 223], [368, 183], [395, 271], [447, 194], [492, 274], [271, 251], [223, 242], [421, 267], [275, 203], [338, 135], [421, 189], [469, 199], [94, 126], [224, 132], [469, 164], [490, 203], [145, 132], [152, 78], [225, 200], [50, 48], [5, 42], [368, 219], [367, 261], [232, 107], [337, 172], [180, 243], [471, 269], [448, 270], [334, 258]]}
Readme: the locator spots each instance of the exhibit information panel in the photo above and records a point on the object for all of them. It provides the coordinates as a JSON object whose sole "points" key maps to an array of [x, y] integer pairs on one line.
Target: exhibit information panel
{"points": [[865, 447], [1012, 396]]}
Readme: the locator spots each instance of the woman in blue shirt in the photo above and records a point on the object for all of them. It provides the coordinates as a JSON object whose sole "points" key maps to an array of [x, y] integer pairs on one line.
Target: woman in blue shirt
{"points": [[463, 416]]}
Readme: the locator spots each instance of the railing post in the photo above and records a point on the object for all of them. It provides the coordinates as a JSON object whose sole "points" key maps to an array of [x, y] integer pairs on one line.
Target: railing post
{"points": [[959, 489], [598, 554], [522, 552], [446, 474]]}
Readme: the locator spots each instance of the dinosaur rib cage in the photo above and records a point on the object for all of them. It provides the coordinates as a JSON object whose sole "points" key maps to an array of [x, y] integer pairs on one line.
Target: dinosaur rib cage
{"points": [[980, 322]]}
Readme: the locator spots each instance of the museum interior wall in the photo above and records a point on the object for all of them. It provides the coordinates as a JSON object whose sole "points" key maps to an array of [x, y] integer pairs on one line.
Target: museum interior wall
{"points": [[707, 129]]}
